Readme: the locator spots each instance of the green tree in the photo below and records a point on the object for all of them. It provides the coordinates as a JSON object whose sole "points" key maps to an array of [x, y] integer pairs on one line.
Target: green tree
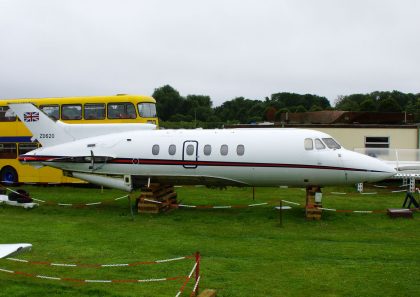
{"points": [[368, 105], [388, 105], [240, 110], [168, 102], [284, 99], [316, 107], [299, 108]]}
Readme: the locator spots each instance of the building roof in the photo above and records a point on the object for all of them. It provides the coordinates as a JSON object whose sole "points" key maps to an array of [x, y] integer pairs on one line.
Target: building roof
{"points": [[347, 117]]}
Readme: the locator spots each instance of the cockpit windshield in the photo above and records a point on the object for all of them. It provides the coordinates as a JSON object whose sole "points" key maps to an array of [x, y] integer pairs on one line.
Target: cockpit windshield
{"points": [[331, 143]]}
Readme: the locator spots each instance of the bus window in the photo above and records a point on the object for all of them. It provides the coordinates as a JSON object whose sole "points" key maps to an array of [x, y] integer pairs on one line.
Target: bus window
{"points": [[27, 147], [71, 112], [121, 111], [94, 111], [8, 151], [53, 111], [147, 110], [6, 114]]}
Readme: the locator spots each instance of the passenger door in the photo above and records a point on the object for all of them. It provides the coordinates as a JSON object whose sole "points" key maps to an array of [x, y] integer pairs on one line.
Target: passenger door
{"points": [[189, 153]]}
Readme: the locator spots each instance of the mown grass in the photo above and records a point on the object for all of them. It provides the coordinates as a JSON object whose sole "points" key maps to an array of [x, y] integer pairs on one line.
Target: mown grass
{"points": [[244, 251]]}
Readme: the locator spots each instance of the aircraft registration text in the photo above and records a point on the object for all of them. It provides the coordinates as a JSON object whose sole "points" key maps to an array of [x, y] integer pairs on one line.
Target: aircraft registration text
{"points": [[46, 135]]}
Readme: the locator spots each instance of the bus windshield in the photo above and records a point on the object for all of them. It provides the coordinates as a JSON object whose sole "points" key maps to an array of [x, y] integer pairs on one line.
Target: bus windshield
{"points": [[147, 110]]}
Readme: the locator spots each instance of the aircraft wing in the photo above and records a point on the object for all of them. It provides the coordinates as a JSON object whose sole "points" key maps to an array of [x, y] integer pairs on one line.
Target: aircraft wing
{"points": [[7, 250], [404, 165], [189, 180]]}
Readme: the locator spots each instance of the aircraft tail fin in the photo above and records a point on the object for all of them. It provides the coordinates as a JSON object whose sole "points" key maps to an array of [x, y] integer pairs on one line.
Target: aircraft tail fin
{"points": [[47, 131]]}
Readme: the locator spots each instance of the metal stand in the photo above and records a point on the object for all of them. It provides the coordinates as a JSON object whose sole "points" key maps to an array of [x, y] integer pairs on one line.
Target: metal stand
{"points": [[360, 187], [281, 213], [412, 185], [410, 200], [130, 206]]}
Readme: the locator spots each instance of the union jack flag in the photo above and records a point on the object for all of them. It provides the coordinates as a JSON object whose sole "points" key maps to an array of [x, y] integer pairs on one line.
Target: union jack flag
{"points": [[31, 116]]}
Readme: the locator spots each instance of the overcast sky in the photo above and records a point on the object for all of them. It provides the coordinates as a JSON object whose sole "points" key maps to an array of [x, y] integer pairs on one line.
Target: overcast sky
{"points": [[221, 48]]}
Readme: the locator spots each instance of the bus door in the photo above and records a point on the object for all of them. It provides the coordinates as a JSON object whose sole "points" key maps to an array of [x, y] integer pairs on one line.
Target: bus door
{"points": [[189, 153]]}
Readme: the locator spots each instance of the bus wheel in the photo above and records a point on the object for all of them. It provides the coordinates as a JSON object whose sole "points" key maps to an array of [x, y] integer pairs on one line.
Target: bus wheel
{"points": [[9, 176]]}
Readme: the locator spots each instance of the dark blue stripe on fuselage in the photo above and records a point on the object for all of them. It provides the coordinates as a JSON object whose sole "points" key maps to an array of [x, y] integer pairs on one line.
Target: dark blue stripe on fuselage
{"points": [[15, 139]]}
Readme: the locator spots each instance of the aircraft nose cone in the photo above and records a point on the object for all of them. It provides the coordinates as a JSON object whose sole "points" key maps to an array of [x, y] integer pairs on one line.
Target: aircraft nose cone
{"points": [[367, 169], [379, 170]]}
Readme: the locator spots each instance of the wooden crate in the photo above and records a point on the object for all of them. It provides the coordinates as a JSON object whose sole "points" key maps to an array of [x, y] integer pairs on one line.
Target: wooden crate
{"points": [[164, 195]]}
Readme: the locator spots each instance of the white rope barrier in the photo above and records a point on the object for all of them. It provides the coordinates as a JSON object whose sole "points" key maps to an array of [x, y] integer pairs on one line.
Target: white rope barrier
{"points": [[91, 280], [186, 280], [100, 265], [68, 204], [205, 206]]}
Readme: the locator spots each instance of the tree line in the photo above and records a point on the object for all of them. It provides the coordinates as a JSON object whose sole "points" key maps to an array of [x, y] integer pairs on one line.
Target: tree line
{"points": [[198, 111]]}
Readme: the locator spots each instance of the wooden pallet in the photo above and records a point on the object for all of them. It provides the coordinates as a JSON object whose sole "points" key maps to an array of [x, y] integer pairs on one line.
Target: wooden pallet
{"points": [[400, 213], [312, 211], [165, 194], [313, 214]]}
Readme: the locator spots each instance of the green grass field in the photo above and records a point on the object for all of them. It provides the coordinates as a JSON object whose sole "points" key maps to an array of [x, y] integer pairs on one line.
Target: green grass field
{"points": [[244, 251]]}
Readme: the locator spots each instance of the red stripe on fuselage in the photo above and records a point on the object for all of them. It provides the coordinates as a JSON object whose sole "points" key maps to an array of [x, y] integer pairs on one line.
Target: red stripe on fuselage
{"points": [[136, 161]]}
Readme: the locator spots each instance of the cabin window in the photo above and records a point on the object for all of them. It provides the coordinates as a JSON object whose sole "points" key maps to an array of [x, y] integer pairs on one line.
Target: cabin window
{"points": [[172, 149], [53, 111], [309, 144], [71, 112], [155, 149], [121, 111], [6, 114], [331, 143], [8, 151], [147, 110], [377, 142], [94, 111], [190, 150], [224, 150], [207, 149], [319, 145], [27, 147], [240, 150]]}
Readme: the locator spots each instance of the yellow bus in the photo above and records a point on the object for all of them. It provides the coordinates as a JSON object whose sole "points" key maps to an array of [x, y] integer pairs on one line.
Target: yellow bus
{"points": [[15, 139]]}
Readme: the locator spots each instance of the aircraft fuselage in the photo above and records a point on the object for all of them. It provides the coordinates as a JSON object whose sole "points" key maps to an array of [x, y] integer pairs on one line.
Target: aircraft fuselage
{"points": [[248, 157]]}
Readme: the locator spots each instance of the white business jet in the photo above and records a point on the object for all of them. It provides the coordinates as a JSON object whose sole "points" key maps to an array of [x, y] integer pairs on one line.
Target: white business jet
{"points": [[240, 157]]}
